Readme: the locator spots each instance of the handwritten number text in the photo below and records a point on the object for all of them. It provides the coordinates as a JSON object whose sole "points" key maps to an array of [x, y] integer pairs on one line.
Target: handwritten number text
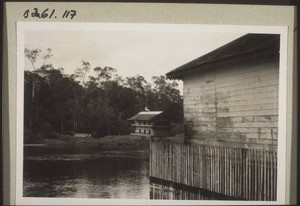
{"points": [[48, 13]]}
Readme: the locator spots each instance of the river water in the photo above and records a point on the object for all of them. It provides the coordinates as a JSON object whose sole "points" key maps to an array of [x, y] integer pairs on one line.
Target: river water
{"points": [[86, 172]]}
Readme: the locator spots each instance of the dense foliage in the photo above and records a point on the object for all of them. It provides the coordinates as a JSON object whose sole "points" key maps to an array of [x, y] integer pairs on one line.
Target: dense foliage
{"points": [[99, 104]]}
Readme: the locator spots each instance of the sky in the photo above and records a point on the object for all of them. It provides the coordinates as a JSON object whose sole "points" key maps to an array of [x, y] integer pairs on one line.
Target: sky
{"points": [[147, 52]]}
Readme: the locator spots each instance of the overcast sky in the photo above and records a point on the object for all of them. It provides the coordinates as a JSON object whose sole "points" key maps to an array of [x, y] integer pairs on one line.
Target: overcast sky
{"points": [[148, 53]]}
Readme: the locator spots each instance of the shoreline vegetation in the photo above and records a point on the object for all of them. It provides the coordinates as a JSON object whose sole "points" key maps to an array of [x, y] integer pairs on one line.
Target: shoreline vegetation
{"points": [[108, 141], [69, 148], [71, 138], [89, 108]]}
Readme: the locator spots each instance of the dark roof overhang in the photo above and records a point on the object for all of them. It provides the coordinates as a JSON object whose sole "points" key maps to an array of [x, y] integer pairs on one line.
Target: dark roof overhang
{"points": [[246, 47]]}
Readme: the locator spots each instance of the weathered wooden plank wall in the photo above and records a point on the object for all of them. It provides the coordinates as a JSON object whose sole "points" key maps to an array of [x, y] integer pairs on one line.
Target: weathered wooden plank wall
{"points": [[247, 174], [234, 103]]}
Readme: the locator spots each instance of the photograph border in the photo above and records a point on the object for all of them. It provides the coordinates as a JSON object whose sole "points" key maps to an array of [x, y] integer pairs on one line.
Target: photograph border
{"points": [[22, 27], [6, 142]]}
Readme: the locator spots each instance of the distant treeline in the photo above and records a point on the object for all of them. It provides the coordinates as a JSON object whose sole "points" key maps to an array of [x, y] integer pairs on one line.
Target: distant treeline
{"points": [[99, 104]]}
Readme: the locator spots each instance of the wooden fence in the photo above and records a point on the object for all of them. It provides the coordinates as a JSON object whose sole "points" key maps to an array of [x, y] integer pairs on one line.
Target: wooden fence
{"points": [[162, 189], [246, 174]]}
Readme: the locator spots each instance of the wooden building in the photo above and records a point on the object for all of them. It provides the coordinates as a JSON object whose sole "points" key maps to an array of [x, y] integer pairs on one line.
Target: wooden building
{"points": [[231, 93], [150, 124], [231, 118]]}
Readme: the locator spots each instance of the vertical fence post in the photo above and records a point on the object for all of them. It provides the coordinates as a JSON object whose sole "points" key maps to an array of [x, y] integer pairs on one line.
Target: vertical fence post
{"points": [[241, 173]]}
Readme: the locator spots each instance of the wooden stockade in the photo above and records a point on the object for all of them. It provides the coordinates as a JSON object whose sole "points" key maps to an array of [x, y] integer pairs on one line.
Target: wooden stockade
{"points": [[245, 174]]}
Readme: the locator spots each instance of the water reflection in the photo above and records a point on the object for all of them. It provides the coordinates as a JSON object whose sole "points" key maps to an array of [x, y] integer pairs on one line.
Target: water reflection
{"points": [[95, 177]]}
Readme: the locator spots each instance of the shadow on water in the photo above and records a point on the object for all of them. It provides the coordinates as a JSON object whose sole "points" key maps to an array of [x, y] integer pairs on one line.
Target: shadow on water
{"points": [[91, 173]]}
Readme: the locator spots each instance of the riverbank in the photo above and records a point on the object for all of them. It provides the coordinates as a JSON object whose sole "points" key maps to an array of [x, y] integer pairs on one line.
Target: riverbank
{"points": [[48, 155], [63, 139], [87, 148], [124, 141]]}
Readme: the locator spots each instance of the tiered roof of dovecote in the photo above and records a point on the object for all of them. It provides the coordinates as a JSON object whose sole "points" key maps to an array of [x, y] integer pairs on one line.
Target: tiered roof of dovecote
{"points": [[146, 116]]}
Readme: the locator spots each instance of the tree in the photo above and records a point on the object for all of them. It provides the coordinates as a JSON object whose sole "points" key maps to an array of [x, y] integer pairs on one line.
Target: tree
{"points": [[106, 74], [32, 56], [81, 73], [138, 83], [141, 88], [102, 104], [167, 98]]}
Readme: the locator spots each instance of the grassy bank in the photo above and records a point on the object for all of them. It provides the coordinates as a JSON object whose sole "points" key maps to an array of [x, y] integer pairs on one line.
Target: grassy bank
{"points": [[110, 141], [55, 138], [65, 147]]}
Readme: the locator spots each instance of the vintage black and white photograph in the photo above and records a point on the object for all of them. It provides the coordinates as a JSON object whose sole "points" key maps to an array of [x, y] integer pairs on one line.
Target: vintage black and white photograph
{"points": [[150, 111]]}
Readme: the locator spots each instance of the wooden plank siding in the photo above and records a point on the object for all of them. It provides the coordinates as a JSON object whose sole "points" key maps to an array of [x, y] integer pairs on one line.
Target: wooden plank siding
{"points": [[233, 103], [226, 172]]}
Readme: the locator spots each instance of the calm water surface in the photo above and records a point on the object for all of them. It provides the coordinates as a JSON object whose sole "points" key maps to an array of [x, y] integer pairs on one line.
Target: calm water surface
{"points": [[85, 173]]}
